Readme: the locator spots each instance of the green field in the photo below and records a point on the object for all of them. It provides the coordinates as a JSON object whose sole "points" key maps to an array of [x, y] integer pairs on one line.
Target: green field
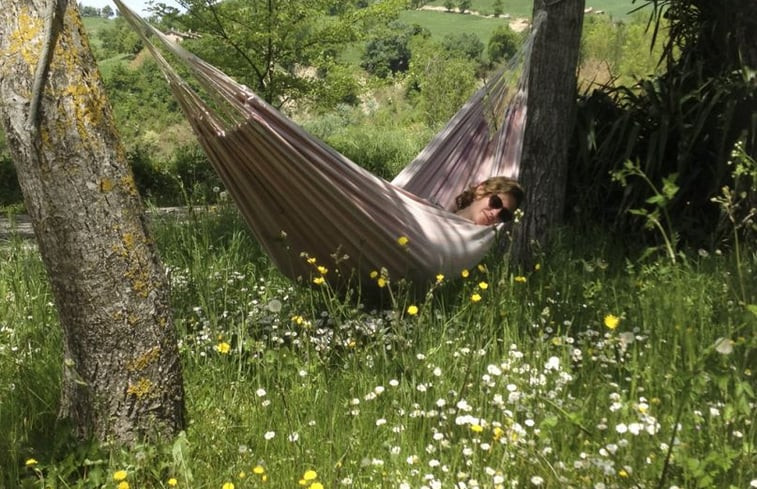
{"points": [[94, 25], [617, 9], [441, 23]]}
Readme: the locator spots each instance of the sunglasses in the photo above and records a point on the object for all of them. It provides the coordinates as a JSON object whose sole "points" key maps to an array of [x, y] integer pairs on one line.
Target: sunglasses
{"points": [[504, 213]]}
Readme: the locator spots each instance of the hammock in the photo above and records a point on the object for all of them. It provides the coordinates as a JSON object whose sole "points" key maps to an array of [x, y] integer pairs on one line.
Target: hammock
{"points": [[309, 206]]}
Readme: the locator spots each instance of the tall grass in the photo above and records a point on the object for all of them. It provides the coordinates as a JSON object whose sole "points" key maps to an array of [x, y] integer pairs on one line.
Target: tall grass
{"points": [[588, 371]]}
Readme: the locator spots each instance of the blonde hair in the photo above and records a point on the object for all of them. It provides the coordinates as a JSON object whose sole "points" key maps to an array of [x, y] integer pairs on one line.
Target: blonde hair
{"points": [[493, 185]]}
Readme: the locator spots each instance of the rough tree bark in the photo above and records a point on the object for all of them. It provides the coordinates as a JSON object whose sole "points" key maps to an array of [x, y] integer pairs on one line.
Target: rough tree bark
{"points": [[551, 114], [122, 376]]}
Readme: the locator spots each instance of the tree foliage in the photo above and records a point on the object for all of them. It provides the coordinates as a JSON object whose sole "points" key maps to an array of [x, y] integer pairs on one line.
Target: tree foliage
{"points": [[388, 52], [503, 44], [465, 45], [119, 39], [273, 46], [440, 80]]}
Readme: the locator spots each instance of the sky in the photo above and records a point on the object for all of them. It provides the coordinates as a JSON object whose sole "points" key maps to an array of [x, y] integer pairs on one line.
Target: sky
{"points": [[139, 6]]}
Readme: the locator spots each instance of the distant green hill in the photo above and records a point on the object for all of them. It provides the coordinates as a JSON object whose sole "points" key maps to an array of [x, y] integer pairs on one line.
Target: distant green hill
{"points": [[93, 26], [442, 23], [617, 9]]}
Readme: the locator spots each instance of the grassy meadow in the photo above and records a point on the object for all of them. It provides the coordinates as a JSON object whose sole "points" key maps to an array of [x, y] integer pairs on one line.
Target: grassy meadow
{"points": [[588, 371], [617, 9]]}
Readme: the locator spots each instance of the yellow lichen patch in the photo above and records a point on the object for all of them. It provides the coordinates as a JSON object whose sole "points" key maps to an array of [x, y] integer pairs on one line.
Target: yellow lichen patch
{"points": [[141, 389], [25, 41], [106, 185], [128, 182], [142, 361], [128, 240]]}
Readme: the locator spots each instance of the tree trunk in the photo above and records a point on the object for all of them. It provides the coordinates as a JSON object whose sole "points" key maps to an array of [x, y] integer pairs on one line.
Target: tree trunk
{"points": [[549, 124], [122, 377]]}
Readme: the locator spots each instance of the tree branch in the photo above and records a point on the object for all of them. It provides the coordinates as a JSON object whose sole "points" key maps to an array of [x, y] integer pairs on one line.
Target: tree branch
{"points": [[53, 26]]}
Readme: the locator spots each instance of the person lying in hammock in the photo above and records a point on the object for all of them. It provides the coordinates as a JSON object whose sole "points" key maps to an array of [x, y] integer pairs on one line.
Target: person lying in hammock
{"points": [[490, 202]]}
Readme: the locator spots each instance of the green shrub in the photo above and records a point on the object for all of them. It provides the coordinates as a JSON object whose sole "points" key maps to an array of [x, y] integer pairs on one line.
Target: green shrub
{"points": [[10, 191]]}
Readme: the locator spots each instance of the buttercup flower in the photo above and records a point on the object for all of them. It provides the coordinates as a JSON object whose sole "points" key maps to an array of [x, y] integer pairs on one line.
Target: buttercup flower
{"points": [[412, 310], [120, 475], [31, 462], [258, 470], [439, 278], [316, 485], [172, 482], [403, 240], [322, 270], [223, 348], [465, 273], [122, 485], [521, 279], [612, 321], [228, 485], [483, 285], [319, 281], [475, 298], [310, 475]]}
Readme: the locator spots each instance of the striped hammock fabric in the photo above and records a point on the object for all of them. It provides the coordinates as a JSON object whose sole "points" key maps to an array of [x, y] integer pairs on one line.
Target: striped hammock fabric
{"points": [[312, 209]]}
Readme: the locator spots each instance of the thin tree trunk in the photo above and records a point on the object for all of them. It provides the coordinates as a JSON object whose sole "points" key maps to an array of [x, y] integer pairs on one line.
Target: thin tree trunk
{"points": [[551, 114], [122, 376]]}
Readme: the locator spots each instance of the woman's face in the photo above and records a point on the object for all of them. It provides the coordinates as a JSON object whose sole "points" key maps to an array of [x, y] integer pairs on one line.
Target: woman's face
{"points": [[486, 210]]}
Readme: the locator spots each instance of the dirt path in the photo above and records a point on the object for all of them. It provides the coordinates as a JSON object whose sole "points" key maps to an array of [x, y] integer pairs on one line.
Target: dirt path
{"points": [[20, 225], [516, 24]]}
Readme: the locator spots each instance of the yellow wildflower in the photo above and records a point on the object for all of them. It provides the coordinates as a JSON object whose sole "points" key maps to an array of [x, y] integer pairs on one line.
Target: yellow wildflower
{"points": [[537, 267], [172, 482], [497, 433], [623, 473], [403, 240], [521, 279], [483, 285], [316, 485], [465, 273], [311, 260], [322, 270], [319, 281], [481, 268], [120, 475], [476, 428], [612, 321], [223, 348], [412, 310], [30, 462], [381, 282], [310, 475], [122, 485], [258, 470], [242, 474], [227, 485], [374, 274], [439, 277], [475, 298]]}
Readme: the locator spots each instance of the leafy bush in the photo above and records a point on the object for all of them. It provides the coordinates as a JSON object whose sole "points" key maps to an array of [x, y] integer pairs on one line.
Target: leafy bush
{"points": [[503, 44], [10, 192], [439, 82], [154, 184], [197, 178], [681, 125], [389, 52], [466, 45]]}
